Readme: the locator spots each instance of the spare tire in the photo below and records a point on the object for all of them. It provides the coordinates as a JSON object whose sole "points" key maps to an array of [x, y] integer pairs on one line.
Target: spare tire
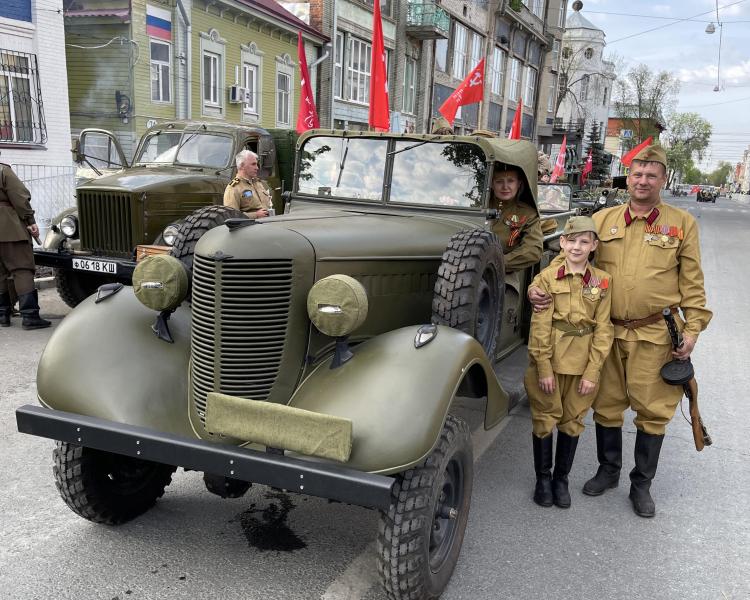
{"points": [[194, 226], [469, 290]]}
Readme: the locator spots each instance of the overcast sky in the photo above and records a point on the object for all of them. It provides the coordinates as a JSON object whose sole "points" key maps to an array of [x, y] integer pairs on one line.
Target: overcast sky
{"points": [[684, 48]]}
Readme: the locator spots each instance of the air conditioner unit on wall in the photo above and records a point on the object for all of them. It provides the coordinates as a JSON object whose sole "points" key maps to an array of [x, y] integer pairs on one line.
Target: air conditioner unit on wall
{"points": [[237, 94]]}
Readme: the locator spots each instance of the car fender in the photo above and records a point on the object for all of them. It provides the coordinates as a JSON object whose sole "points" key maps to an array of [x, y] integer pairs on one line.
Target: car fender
{"points": [[103, 360], [55, 238], [398, 396]]}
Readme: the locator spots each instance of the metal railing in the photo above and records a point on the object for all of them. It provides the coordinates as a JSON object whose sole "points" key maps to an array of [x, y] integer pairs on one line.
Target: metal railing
{"points": [[21, 110], [52, 190], [427, 14]]}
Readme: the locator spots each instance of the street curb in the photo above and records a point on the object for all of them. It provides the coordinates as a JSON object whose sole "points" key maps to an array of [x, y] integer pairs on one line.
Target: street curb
{"points": [[43, 283]]}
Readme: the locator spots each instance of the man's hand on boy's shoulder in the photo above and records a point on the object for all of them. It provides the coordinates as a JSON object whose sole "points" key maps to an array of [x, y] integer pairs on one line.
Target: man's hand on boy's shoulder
{"points": [[539, 299]]}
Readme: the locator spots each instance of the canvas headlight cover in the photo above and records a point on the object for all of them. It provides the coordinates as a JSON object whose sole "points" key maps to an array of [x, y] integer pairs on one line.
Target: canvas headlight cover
{"points": [[160, 282], [337, 305]]}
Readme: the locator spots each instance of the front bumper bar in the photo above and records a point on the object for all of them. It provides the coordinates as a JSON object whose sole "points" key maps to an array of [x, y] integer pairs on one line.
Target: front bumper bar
{"points": [[322, 479], [64, 260]]}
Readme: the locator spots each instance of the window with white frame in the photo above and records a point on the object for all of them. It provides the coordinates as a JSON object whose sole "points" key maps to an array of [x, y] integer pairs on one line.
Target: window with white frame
{"points": [[250, 83], [530, 89], [477, 49], [441, 55], [338, 65], [211, 71], [498, 71], [584, 88], [161, 61], [357, 84], [410, 86], [460, 34], [252, 80], [515, 79], [537, 8], [561, 16], [284, 85], [551, 94], [213, 49], [21, 113], [555, 55]]}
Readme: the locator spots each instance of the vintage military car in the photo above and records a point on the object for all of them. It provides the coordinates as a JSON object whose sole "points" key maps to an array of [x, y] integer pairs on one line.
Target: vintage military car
{"points": [[179, 166], [321, 351]]}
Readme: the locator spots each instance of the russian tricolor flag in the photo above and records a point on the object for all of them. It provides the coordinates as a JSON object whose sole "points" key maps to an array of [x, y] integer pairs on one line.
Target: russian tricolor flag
{"points": [[158, 23]]}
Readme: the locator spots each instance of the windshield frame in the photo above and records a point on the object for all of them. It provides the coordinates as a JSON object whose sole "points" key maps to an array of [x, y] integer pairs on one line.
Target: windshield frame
{"points": [[185, 135]]}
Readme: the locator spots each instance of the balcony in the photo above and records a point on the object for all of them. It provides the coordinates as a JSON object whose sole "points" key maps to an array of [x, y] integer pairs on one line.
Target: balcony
{"points": [[571, 128], [426, 21]]}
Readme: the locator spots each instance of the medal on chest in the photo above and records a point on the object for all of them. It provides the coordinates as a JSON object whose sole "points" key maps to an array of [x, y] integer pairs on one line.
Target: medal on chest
{"points": [[595, 288], [663, 233], [514, 223]]}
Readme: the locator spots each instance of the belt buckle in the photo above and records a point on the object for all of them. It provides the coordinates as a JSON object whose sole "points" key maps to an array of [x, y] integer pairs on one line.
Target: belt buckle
{"points": [[629, 323]]}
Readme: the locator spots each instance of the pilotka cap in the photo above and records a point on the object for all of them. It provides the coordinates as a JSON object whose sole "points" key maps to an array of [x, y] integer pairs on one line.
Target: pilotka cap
{"points": [[653, 153], [579, 225]]}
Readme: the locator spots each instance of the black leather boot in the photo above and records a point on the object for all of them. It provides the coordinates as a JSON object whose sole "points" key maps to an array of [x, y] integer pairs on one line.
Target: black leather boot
{"points": [[542, 467], [564, 454], [609, 454], [29, 305], [5, 309], [647, 449]]}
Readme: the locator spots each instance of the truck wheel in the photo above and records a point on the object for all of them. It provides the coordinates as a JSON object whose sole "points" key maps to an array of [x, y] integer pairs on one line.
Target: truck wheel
{"points": [[469, 290], [74, 287], [420, 537], [194, 226], [107, 488]]}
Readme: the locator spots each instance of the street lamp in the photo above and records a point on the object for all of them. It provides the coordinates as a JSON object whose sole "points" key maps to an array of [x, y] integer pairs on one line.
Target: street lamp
{"points": [[711, 28]]}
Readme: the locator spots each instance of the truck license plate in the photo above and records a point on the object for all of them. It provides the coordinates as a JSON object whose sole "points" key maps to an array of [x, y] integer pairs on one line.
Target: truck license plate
{"points": [[97, 266]]}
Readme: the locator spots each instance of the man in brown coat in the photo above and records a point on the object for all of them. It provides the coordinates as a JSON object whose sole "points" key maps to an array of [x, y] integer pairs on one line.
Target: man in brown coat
{"points": [[17, 226]]}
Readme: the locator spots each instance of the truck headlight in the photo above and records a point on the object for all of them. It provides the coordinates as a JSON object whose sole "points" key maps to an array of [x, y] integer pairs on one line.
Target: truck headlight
{"points": [[169, 234], [337, 305], [69, 226], [160, 282]]}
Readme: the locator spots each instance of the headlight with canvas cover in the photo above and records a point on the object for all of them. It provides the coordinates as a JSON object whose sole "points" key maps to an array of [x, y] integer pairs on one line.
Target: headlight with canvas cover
{"points": [[337, 305], [160, 282]]}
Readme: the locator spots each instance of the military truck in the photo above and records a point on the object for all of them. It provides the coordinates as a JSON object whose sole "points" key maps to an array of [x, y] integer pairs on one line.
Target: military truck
{"points": [[322, 351], [178, 166]]}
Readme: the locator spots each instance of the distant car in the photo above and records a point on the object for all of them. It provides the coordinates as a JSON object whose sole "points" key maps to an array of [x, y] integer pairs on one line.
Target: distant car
{"points": [[706, 195]]}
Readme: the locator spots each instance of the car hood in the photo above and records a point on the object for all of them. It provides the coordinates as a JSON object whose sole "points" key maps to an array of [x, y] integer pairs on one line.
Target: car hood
{"points": [[143, 179]]}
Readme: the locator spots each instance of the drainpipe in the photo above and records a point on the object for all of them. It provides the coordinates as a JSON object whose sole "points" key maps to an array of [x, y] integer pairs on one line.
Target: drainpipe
{"points": [[333, 59], [189, 70]]}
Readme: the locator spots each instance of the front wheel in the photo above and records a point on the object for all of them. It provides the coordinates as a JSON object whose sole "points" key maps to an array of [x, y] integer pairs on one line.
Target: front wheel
{"points": [[74, 286], [420, 537], [107, 488]]}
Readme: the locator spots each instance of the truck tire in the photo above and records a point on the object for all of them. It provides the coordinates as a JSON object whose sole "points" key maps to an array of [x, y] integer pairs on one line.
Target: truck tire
{"points": [[107, 488], [469, 290], [194, 226], [420, 537], [74, 287]]}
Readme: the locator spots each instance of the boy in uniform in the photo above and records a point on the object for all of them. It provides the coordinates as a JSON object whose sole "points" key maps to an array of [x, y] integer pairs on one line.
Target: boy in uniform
{"points": [[568, 344]]}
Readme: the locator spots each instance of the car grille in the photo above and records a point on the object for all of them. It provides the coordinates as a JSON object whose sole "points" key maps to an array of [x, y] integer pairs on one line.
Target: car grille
{"points": [[105, 223], [240, 313]]}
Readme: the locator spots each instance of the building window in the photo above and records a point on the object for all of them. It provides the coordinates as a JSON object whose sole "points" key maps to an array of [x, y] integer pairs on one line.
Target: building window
{"points": [[338, 66], [358, 71], [211, 69], [555, 55], [250, 83], [561, 16], [530, 89], [410, 85], [477, 50], [588, 53], [441, 55], [604, 98], [283, 97], [498, 71], [515, 79], [161, 61], [551, 94], [460, 34], [212, 73], [537, 8], [20, 10], [21, 112], [584, 88]]}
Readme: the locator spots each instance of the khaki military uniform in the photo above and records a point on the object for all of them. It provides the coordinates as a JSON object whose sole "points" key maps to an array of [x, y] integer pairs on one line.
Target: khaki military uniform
{"points": [[16, 255], [247, 195], [519, 229], [569, 341]]}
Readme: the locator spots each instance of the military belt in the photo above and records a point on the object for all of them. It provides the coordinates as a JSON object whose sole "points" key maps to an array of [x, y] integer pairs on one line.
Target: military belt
{"points": [[569, 329], [636, 323]]}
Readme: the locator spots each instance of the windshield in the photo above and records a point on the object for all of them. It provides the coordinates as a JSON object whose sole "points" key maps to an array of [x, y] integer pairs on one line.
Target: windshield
{"points": [[450, 174], [553, 198], [187, 148], [343, 167]]}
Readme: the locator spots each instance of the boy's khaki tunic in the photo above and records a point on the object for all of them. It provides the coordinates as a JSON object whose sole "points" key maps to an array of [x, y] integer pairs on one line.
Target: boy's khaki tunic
{"points": [[655, 264], [579, 301], [247, 195], [520, 222]]}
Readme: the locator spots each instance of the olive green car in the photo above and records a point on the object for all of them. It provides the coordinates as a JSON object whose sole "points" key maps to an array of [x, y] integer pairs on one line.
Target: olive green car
{"points": [[179, 166], [320, 351]]}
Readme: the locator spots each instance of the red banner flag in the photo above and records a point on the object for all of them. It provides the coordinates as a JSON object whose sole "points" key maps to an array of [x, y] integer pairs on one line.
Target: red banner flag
{"points": [[380, 117], [628, 158], [515, 130], [470, 91], [307, 117], [559, 169], [588, 167]]}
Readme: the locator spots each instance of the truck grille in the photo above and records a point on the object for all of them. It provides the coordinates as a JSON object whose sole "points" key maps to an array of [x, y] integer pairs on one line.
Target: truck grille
{"points": [[239, 321], [105, 223]]}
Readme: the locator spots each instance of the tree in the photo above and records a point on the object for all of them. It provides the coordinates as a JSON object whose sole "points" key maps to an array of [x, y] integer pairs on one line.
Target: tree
{"points": [[687, 136], [718, 177], [599, 158], [692, 174]]}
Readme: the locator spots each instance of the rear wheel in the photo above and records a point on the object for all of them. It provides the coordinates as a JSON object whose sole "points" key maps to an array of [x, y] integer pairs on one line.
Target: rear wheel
{"points": [[107, 488]]}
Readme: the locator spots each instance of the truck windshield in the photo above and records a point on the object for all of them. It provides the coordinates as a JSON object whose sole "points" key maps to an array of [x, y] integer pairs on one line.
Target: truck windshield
{"points": [[343, 167], [187, 148]]}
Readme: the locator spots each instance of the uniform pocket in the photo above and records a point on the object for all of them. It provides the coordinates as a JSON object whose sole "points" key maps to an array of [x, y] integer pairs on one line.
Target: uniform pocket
{"points": [[661, 252]]}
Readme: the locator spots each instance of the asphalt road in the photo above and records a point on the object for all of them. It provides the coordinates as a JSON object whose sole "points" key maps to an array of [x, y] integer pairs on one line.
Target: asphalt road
{"points": [[195, 545]]}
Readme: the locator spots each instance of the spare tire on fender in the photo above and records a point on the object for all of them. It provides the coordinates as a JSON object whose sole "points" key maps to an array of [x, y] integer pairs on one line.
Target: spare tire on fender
{"points": [[469, 290]]}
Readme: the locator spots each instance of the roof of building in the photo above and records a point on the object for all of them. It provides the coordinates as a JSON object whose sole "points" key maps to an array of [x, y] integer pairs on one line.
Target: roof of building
{"points": [[121, 13], [577, 21], [275, 9]]}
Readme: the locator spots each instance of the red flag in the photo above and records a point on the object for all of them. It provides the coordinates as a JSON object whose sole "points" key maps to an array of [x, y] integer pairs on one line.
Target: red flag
{"points": [[307, 117], [515, 130], [470, 91], [587, 168], [628, 158], [380, 118], [560, 162]]}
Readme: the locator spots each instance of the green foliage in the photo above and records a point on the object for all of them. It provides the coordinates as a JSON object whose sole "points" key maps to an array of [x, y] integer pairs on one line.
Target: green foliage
{"points": [[515, 5], [688, 136], [692, 175], [718, 177]]}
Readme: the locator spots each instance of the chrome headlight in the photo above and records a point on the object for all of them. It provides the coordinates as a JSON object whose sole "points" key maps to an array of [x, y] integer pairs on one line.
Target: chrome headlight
{"points": [[169, 234], [69, 226]]}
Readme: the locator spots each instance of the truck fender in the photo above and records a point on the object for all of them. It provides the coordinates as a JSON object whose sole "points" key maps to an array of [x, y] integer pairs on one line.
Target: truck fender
{"points": [[398, 396], [54, 238], [103, 360]]}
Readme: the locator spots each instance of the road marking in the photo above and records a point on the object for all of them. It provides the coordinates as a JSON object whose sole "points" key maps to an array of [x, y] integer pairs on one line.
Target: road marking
{"points": [[362, 573]]}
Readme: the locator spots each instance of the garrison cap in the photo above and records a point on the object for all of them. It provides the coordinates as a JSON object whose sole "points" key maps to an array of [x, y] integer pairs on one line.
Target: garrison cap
{"points": [[440, 124], [652, 153], [579, 225], [483, 133]]}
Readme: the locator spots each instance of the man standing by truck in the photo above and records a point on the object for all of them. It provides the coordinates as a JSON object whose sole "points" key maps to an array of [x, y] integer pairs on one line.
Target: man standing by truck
{"points": [[17, 227], [246, 192]]}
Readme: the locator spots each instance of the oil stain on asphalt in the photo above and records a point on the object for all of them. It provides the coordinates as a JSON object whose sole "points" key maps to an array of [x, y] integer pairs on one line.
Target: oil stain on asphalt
{"points": [[266, 528]]}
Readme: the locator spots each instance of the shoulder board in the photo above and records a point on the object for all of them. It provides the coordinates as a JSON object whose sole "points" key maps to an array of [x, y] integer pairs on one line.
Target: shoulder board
{"points": [[234, 181]]}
